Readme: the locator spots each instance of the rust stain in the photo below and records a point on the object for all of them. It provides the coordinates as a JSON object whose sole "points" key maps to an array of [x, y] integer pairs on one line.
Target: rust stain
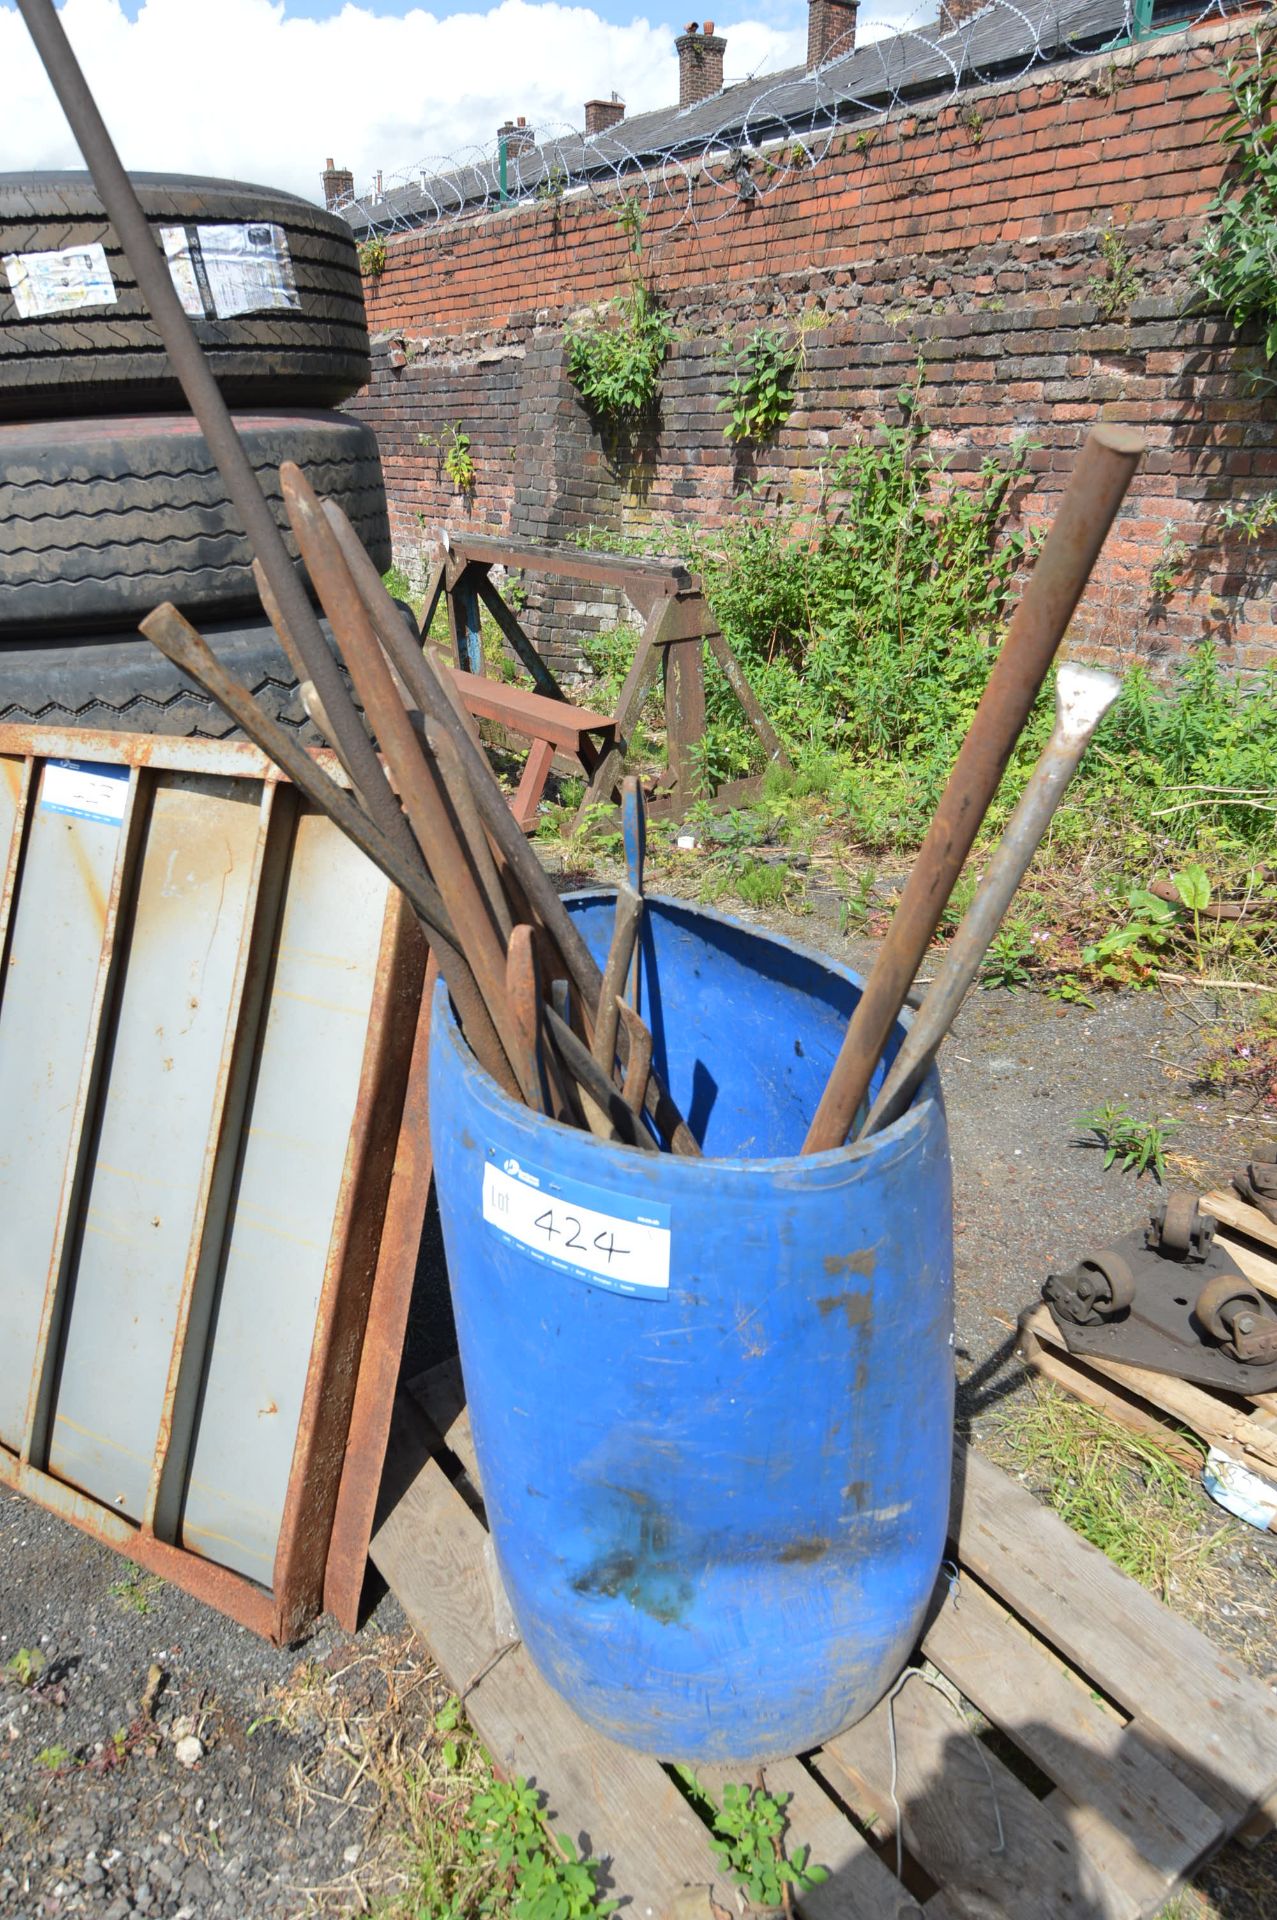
{"points": [[92, 885], [804, 1552], [855, 1491], [862, 1262], [13, 778], [855, 1308]]}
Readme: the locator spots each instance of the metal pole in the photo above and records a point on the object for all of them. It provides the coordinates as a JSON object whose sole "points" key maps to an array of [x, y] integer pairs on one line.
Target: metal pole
{"points": [[1091, 500], [1082, 698], [309, 653]]}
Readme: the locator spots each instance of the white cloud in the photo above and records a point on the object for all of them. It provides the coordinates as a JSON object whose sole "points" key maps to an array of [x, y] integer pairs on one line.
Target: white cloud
{"points": [[234, 87]]}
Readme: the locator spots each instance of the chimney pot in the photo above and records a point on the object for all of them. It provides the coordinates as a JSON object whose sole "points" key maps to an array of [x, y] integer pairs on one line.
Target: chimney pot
{"points": [[700, 64], [831, 30], [602, 114], [339, 185], [518, 136]]}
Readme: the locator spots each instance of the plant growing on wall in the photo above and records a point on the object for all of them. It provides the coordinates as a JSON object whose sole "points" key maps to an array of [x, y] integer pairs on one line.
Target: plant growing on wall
{"points": [[615, 355], [457, 461], [1113, 289], [372, 256], [1237, 250], [763, 387]]}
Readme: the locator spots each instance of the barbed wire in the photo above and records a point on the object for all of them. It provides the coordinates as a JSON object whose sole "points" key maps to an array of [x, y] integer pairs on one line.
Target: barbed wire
{"points": [[748, 140]]}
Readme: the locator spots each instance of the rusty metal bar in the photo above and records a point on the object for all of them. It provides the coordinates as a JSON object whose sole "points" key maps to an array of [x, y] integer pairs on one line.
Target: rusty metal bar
{"points": [[640, 1060], [217, 1586], [434, 590], [420, 675], [35, 1441], [309, 653], [341, 1320], [523, 996], [462, 801], [263, 898], [518, 640], [1082, 698], [734, 674], [598, 569], [181, 643], [625, 925], [19, 778], [382, 1350], [417, 776], [595, 1084], [1096, 490]]}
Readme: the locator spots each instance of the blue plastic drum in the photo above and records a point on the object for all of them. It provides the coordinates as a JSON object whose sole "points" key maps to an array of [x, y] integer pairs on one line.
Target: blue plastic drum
{"points": [[712, 1400]]}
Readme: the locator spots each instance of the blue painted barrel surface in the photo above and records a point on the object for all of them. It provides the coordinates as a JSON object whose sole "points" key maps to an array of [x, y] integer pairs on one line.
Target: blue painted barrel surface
{"points": [[712, 1400]]}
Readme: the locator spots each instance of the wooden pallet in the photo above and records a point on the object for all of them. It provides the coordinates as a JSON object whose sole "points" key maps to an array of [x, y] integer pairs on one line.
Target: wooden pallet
{"points": [[1149, 1747], [1245, 1428]]}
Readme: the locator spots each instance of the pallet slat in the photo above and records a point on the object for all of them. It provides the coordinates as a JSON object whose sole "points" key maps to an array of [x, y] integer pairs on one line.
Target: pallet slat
{"points": [[430, 1549], [1232, 1211], [978, 1832], [1212, 1417], [1132, 1808], [1128, 1812], [1206, 1718]]}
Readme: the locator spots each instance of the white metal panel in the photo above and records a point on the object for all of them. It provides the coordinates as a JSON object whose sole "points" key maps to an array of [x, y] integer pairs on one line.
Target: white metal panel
{"points": [[161, 1082], [293, 1158], [58, 923]]}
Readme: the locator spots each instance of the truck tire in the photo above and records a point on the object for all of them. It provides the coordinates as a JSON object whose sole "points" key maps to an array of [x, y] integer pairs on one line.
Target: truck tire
{"points": [[105, 356], [128, 686], [100, 520]]}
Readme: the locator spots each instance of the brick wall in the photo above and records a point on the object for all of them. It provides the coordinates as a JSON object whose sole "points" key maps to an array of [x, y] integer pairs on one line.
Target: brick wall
{"points": [[967, 235]]}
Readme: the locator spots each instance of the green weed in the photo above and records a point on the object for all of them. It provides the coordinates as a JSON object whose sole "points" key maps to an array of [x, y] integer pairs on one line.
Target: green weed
{"points": [[1138, 1145], [1004, 963], [458, 462], [764, 386], [397, 583], [1117, 284], [372, 257], [1171, 563], [26, 1665], [136, 1591], [54, 1758], [746, 1837], [1124, 1492], [615, 355], [1236, 254]]}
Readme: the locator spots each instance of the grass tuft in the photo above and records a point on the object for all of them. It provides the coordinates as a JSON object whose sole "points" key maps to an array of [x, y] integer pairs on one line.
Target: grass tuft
{"points": [[1122, 1491]]}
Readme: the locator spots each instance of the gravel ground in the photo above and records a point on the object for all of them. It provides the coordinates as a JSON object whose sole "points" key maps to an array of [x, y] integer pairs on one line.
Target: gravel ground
{"points": [[98, 1812]]}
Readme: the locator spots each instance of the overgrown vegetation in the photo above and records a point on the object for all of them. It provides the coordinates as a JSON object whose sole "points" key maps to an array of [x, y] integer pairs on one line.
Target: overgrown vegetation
{"points": [[615, 355], [1237, 251], [763, 388], [1127, 1493]]}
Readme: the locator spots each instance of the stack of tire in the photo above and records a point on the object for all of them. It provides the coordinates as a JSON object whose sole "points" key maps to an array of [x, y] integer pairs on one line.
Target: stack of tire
{"points": [[110, 501]]}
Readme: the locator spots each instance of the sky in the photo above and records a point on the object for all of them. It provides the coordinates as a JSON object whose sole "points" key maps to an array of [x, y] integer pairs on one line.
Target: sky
{"points": [[267, 90]]}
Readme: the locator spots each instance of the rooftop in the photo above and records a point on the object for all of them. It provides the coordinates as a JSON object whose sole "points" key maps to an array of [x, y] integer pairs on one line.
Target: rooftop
{"points": [[1000, 41]]}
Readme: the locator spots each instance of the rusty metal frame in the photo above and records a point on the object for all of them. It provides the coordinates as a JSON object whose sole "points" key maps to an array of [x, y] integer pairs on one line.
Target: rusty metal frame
{"points": [[368, 1271], [678, 625]]}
